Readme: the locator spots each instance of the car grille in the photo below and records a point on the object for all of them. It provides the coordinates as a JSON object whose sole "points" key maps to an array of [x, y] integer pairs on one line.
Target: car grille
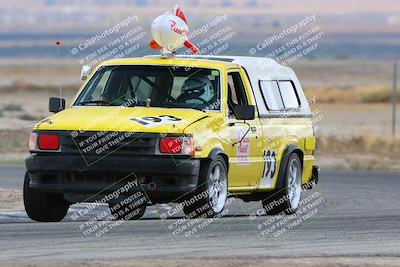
{"points": [[103, 143]]}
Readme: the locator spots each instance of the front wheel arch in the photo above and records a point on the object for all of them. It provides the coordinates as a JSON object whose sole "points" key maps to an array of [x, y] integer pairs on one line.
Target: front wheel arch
{"points": [[219, 152]]}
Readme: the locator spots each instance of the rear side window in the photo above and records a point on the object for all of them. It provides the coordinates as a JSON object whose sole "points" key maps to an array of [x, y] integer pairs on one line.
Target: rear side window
{"points": [[290, 100], [279, 95], [271, 94]]}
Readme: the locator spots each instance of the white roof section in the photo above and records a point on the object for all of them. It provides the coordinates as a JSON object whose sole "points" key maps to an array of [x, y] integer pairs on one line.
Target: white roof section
{"points": [[265, 68]]}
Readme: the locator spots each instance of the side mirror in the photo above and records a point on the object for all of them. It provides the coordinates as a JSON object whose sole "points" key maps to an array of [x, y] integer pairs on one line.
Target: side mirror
{"points": [[85, 72], [56, 104], [244, 112]]}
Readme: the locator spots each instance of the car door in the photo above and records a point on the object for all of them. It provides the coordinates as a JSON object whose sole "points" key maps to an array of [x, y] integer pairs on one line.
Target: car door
{"points": [[244, 141]]}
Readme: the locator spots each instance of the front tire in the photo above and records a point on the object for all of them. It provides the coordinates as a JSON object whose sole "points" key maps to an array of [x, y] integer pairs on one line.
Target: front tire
{"points": [[288, 197], [42, 206], [210, 197]]}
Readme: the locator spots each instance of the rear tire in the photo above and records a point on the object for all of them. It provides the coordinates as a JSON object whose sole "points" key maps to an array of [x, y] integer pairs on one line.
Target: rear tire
{"points": [[210, 197], [42, 206], [287, 199]]}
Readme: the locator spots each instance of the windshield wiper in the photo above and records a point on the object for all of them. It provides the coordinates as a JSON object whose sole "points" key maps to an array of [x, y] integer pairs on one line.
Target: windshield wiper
{"points": [[93, 102], [174, 105]]}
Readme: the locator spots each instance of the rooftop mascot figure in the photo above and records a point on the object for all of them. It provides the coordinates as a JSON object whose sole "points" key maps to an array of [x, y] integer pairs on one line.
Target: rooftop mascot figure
{"points": [[170, 32]]}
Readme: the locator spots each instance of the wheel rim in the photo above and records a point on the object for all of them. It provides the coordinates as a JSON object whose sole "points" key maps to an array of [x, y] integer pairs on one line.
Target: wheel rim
{"points": [[217, 191], [294, 183]]}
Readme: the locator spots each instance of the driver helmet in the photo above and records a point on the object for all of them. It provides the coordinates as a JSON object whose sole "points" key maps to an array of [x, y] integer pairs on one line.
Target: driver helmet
{"points": [[197, 87]]}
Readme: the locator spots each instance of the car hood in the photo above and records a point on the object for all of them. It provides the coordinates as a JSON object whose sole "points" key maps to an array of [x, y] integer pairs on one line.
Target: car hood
{"points": [[122, 119]]}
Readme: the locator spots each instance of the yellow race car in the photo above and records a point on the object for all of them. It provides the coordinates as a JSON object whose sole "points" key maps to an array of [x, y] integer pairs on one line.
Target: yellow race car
{"points": [[192, 130]]}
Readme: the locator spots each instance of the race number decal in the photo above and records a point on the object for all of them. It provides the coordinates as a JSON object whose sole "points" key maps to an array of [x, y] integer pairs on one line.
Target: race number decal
{"points": [[269, 168], [157, 120]]}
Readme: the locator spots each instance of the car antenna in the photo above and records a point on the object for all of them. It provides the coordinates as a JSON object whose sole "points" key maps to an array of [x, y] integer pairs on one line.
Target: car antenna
{"points": [[248, 130]]}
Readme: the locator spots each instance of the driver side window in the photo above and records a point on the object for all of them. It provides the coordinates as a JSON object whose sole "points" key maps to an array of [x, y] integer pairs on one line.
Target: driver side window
{"points": [[236, 92], [98, 84]]}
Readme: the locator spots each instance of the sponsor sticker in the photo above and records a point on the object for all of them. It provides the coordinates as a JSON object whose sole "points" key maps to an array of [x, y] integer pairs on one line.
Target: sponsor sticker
{"points": [[242, 149]]}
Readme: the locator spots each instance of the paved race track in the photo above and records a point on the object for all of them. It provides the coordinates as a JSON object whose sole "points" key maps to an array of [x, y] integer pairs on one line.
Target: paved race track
{"points": [[347, 214]]}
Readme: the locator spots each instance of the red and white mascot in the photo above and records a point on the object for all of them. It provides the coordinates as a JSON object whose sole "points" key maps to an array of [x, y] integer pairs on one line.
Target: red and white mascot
{"points": [[170, 32]]}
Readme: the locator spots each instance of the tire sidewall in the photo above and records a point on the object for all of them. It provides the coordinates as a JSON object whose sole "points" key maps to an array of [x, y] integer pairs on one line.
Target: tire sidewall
{"points": [[217, 161], [204, 183], [290, 209], [42, 206]]}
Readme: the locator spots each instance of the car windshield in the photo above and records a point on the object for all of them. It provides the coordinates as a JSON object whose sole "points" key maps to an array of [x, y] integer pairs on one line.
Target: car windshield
{"points": [[153, 86]]}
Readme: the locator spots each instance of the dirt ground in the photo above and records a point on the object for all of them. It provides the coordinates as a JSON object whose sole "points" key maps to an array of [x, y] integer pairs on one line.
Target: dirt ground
{"points": [[11, 200], [345, 120], [299, 262]]}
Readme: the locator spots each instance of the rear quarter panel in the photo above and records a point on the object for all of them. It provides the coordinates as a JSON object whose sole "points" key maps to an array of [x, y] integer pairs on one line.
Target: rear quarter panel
{"points": [[279, 133]]}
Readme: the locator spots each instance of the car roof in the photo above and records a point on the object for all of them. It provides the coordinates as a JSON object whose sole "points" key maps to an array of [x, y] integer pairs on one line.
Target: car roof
{"points": [[244, 61], [265, 68], [174, 61], [261, 67]]}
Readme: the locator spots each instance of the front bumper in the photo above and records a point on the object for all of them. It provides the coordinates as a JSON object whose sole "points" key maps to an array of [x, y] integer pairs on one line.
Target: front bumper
{"points": [[162, 178]]}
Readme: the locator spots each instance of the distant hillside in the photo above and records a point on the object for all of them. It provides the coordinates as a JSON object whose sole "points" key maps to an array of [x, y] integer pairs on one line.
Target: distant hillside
{"points": [[81, 16], [353, 28]]}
